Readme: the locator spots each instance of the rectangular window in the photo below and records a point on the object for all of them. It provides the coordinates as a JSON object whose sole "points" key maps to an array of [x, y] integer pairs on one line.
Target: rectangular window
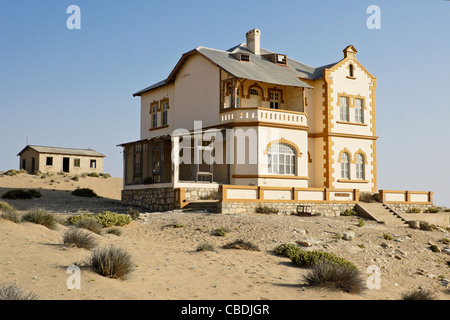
{"points": [[49, 161], [274, 100], [76, 163], [359, 110], [154, 114], [164, 114], [93, 164], [343, 101]]}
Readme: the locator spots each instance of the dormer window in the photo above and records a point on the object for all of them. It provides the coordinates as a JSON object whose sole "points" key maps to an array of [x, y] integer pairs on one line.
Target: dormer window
{"points": [[241, 56], [281, 59], [245, 57], [276, 58]]}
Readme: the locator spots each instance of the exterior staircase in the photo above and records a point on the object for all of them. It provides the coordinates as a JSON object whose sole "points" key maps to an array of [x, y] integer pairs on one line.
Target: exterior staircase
{"points": [[210, 206], [381, 213]]}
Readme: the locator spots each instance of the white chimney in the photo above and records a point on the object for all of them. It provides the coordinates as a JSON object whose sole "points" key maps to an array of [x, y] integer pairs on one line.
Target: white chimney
{"points": [[254, 41]]}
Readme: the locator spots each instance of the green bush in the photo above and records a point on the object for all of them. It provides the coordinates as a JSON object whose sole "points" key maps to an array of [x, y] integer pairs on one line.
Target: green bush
{"points": [[76, 178], [112, 262], [106, 219], [335, 276], [220, 232], [432, 210], [93, 174], [21, 194], [304, 258], [413, 210], [40, 216], [78, 238], [309, 258], [266, 209], [287, 250], [361, 223], [349, 212], [85, 192], [387, 236]]}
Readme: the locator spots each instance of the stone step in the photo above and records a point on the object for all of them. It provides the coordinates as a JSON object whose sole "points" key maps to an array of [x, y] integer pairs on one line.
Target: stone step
{"points": [[380, 213]]}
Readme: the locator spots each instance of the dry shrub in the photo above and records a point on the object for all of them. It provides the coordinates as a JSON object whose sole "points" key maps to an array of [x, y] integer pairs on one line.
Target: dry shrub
{"points": [[112, 262], [79, 238], [40, 216], [336, 277], [14, 292], [205, 246], [419, 294], [241, 245], [11, 216]]}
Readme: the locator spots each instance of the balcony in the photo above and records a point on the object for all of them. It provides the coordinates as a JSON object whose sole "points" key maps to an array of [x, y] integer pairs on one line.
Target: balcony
{"points": [[255, 116]]}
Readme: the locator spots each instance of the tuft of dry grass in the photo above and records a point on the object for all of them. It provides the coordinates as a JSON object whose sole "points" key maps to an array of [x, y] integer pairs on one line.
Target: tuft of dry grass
{"points": [[79, 238], [15, 292], [40, 216], [419, 294], [335, 277], [112, 262]]}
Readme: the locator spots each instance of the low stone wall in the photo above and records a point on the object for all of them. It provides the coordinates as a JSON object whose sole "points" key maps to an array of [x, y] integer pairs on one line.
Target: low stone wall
{"points": [[328, 209], [195, 194], [152, 199], [405, 207]]}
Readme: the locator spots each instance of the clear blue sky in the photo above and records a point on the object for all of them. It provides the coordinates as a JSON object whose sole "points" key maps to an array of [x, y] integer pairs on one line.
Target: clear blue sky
{"points": [[73, 88]]}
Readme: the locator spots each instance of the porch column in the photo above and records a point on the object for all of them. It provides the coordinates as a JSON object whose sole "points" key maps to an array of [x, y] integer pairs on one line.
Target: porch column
{"points": [[175, 160]]}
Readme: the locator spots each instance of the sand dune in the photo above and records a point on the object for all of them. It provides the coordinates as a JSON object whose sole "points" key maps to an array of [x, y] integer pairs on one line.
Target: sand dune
{"points": [[169, 267]]}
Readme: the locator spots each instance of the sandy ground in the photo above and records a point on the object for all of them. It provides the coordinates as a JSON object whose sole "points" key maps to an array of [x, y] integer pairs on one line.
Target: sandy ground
{"points": [[168, 267]]}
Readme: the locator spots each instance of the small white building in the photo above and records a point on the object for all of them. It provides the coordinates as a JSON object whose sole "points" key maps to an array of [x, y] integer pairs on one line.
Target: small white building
{"points": [[51, 159]]}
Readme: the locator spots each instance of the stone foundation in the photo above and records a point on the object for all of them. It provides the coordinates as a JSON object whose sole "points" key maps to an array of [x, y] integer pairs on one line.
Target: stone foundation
{"points": [[154, 199], [195, 194], [405, 207], [328, 209]]}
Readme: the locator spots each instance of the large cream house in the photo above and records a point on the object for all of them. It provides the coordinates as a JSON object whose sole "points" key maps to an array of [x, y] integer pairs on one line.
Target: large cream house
{"points": [[283, 130]]}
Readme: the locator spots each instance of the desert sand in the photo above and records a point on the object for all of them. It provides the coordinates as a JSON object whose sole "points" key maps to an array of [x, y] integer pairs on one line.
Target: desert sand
{"points": [[168, 267]]}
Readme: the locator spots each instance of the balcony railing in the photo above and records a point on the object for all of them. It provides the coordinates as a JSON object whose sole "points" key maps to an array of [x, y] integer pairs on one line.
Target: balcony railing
{"points": [[275, 116]]}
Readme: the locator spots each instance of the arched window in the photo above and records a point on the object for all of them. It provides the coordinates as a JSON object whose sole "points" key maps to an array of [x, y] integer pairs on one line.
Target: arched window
{"points": [[255, 98], [360, 160], [345, 165], [281, 159]]}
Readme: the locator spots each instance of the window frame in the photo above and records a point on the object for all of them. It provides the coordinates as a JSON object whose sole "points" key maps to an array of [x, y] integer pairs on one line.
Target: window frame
{"points": [[359, 111], [344, 110], [360, 161], [282, 159], [345, 165]]}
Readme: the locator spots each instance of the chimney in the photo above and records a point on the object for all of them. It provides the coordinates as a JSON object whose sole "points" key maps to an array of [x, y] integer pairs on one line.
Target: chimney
{"points": [[254, 41]]}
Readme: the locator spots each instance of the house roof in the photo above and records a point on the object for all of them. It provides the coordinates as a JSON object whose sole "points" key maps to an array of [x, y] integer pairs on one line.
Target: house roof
{"points": [[259, 68], [66, 151]]}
